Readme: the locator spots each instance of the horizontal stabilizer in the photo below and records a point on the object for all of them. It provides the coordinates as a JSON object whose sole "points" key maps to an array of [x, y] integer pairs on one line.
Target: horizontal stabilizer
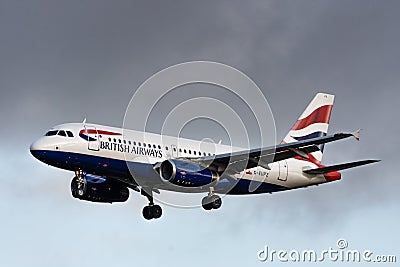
{"points": [[339, 167]]}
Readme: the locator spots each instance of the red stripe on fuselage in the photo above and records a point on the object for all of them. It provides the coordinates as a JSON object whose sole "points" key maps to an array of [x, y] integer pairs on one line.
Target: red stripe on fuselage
{"points": [[311, 158], [320, 115], [93, 131], [106, 132]]}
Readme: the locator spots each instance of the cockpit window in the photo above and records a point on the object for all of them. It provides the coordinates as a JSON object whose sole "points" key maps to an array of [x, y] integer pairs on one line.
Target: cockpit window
{"points": [[60, 133], [51, 133]]}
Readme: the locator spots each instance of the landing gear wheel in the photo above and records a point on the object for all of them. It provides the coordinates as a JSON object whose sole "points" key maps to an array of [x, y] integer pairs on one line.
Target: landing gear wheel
{"points": [[157, 211], [152, 212], [79, 184], [206, 203], [147, 213], [211, 202], [216, 201], [74, 187], [78, 187], [81, 190]]}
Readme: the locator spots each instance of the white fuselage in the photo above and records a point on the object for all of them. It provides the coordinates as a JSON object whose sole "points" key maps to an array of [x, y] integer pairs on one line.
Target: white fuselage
{"points": [[108, 146]]}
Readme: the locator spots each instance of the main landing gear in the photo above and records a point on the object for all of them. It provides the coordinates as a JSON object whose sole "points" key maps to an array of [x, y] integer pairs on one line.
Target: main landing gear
{"points": [[150, 211], [211, 201], [79, 184]]}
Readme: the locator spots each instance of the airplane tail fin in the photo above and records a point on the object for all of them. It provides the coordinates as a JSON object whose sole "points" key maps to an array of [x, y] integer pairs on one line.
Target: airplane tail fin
{"points": [[312, 123]]}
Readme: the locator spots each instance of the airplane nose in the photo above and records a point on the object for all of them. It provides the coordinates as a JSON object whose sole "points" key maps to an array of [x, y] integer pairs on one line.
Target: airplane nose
{"points": [[34, 148], [35, 153], [37, 149]]}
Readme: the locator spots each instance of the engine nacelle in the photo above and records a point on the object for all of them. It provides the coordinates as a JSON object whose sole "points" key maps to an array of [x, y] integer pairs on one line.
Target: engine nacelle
{"points": [[186, 174], [98, 189]]}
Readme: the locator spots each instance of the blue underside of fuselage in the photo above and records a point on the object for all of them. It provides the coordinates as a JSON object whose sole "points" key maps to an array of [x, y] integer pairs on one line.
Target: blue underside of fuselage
{"points": [[120, 169]]}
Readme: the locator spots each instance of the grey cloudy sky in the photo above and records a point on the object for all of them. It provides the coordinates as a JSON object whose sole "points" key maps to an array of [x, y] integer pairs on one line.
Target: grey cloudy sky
{"points": [[61, 61]]}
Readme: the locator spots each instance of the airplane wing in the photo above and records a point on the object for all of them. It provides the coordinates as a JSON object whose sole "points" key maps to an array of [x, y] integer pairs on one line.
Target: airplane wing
{"points": [[235, 162]]}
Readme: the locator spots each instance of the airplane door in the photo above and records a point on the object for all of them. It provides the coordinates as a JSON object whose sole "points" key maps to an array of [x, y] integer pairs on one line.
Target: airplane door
{"points": [[283, 170], [93, 138], [174, 151]]}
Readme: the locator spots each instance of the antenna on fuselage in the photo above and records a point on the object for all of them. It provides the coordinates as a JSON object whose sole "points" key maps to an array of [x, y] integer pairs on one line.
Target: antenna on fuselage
{"points": [[84, 120]]}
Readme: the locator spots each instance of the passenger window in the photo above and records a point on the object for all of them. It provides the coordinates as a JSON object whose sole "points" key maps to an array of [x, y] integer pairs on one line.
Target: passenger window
{"points": [[159, 147], [184, 150], [125, 142], [174, 149], [119, 141], [129, 142], [180, 150], [149, 145], [109, 139], [139, 144], [70, 134], [166, 148], [115, 140], [190, 151], [194, 152], [134, 143], [61, 133]]}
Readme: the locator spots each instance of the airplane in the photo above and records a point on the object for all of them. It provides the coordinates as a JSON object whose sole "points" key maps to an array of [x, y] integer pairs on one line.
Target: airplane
{"points": [[108, 161]]}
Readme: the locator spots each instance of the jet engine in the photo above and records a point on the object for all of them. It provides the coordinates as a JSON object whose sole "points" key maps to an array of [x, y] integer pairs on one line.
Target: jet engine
{"points": [[187, 174]]}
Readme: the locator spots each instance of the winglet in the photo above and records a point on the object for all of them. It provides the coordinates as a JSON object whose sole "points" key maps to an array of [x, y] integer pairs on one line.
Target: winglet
{"points": [[356, 134]]}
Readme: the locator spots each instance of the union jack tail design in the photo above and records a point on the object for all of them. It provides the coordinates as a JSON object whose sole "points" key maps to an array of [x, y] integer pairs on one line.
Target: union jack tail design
{"points": [[313, 123]]}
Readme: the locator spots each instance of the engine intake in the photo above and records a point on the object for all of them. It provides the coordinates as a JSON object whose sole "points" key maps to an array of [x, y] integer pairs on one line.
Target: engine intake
{"points": [[186, 174]]}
